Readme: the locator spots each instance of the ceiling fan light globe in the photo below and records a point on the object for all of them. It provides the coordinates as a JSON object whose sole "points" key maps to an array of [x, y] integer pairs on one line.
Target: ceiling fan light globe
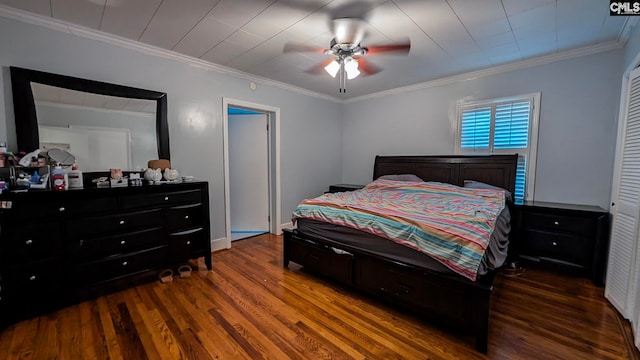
{"points": [[352, 73], [350, 64], [332, 68]]}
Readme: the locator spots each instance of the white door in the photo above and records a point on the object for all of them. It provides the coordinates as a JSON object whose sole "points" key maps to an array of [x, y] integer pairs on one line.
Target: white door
{"points": [[248, 175], [622, 273]]}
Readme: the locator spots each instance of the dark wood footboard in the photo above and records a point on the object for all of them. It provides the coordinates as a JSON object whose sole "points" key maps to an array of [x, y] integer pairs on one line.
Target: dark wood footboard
{"points": [[450, 298]]}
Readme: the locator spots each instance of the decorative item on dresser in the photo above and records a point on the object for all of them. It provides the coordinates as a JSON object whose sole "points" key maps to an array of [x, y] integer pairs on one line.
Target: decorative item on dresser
{"points": [[57, 248], [444, 295], [571, 237]]}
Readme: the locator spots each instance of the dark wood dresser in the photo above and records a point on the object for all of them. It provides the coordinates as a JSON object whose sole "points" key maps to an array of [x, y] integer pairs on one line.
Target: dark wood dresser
{"points": [[566, 236], [57, 248]]}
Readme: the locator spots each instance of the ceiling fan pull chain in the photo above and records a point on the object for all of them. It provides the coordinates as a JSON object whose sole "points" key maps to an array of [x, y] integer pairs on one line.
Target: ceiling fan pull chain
{"points": [[341, 79]]}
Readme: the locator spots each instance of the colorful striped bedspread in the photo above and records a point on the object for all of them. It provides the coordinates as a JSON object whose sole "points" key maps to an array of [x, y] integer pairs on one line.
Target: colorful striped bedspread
{"points": [[449, 223]]}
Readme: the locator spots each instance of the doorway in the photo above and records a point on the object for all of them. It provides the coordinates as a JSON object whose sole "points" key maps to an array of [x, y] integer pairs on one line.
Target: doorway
{"points": [[252, 169], [248, 173]]}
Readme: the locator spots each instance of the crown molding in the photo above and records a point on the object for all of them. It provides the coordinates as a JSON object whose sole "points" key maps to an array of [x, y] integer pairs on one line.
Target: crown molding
{"points": [[523, 64], [81, 31], [625, 33]]}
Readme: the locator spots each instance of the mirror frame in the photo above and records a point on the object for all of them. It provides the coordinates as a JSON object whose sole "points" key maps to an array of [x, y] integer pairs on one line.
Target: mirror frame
{"points": [[24, 108]]}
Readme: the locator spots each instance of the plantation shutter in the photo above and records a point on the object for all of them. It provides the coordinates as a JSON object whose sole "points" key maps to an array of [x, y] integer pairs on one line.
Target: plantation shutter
{"points": [[500, 127], [476, 129], [622, 277], [521, 178], [512, 125]]}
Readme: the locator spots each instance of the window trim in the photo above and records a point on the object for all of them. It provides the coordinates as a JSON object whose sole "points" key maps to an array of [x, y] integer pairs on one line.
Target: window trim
{"points": [[532, 152]]}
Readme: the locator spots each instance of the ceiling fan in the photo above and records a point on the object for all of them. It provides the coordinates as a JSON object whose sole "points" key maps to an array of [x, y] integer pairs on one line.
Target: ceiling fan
{"points": [[347, 52]]}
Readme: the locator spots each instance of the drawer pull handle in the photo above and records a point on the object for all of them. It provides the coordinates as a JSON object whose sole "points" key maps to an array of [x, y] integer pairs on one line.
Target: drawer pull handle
{"points": [[556, 223], [555, 243], [61, 209], [125, 263], [186, 217], [32, 278], [121, 222], [29, 242], [122, 242], [166, 198], [188, 242]]}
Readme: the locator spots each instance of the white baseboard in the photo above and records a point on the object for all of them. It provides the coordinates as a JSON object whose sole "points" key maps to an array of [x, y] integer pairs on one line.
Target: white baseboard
{"points": [[288, 225], [218, 244]]}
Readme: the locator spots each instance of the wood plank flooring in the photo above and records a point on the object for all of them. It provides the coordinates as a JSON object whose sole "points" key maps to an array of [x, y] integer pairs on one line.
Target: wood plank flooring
{"points": [[250, 307]]}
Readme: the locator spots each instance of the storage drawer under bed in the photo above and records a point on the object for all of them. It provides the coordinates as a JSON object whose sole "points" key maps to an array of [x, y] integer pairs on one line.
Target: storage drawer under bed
{"points": [[325, 260], [412, 287]]}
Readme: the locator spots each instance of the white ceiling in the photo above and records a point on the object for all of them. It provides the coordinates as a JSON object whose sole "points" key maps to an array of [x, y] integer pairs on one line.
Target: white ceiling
{"points": [[448, 37]]}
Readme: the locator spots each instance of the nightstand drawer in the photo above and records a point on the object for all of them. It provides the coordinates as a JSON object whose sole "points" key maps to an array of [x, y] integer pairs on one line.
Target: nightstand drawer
{"points": [[559, 246], [564, 223]]}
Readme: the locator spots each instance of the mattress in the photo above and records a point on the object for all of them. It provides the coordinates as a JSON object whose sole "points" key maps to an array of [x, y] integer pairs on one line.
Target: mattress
{"points": [[494, 256]]}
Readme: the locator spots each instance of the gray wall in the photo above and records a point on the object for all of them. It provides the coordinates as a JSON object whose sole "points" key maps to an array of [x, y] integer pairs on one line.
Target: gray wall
{"points": [[577, 134], [311, 143]]}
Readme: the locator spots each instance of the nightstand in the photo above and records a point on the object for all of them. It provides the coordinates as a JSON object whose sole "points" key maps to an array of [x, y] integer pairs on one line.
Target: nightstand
{"points": [[344, 187], [570, 237]]}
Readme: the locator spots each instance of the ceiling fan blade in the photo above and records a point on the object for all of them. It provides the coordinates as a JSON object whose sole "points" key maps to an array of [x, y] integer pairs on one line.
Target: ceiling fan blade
{"points": [[366, 67], [400, 49], [319, 68], [293, 47]]}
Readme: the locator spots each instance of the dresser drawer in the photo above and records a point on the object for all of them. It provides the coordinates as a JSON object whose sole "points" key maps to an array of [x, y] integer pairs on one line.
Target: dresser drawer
{"points": [[184, 243], [163, 198], [30, 241], [117, 244], [114, 223], [333, 263], [21, 210], [117, 266], [34, 277], [100, 204], [184, 217], [566, 223], [555, 245]]}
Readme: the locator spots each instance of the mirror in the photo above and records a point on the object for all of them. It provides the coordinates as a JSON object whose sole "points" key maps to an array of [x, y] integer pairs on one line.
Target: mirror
{"points": [[103, 125]]}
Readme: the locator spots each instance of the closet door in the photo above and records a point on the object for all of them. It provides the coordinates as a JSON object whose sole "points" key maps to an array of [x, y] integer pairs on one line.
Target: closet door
{"points": [[622, 273]]}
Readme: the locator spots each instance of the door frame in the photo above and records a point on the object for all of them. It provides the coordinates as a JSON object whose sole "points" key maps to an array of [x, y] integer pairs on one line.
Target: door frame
{"points": [[273, 149]]}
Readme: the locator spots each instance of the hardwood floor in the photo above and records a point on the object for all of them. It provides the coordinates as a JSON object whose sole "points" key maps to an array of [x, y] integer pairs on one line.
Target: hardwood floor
{"points": [[250, 307]]}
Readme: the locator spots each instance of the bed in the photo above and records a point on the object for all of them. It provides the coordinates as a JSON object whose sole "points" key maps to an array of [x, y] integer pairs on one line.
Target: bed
{"points": [[386, 272]]}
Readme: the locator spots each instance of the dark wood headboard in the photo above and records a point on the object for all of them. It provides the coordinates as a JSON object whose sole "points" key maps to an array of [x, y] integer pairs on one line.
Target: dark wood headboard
{"points": [[497, 170]]}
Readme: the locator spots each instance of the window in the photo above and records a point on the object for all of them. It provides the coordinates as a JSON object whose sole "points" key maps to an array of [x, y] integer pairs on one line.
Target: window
{"points": [[502, 126]]}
